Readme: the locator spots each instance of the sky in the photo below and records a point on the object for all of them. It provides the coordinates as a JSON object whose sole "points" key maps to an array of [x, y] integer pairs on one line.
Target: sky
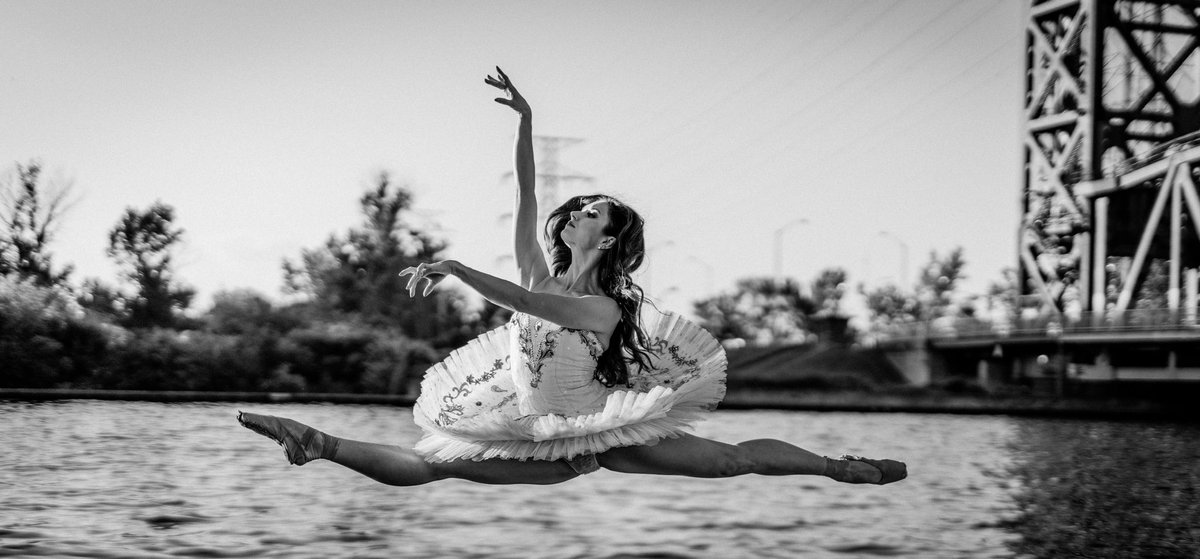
{"points": [[853, 131]]}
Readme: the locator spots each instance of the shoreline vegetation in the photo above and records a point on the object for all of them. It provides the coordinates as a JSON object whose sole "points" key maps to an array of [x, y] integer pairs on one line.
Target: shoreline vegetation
{"points": [[911, 401], [347, 331]]}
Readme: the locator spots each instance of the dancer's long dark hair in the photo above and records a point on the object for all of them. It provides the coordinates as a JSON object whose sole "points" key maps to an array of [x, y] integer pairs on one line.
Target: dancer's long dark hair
{"points": [[629, 343]]}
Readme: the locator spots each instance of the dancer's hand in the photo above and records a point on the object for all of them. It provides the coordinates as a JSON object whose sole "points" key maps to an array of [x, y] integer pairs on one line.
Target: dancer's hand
{"points": [[514, 100], [432, 272]]}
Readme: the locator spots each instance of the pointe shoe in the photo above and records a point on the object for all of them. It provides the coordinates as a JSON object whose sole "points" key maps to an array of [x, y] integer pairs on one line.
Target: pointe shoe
{"points": [[890, 470], [301, 443]]}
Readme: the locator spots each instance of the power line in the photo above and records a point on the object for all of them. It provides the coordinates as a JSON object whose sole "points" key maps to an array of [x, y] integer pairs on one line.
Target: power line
{"points": [[705, 113], [839, 87]]}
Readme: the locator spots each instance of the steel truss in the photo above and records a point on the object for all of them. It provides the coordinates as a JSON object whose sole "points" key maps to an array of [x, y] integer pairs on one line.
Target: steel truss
{"points": [[1111, 87]]}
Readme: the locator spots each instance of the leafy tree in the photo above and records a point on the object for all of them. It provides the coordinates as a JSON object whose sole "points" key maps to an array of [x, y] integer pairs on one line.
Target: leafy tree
{"points": [[828, 290], [759, 310], [246, 311], [141, 243], [1152, 291], [1004, 294], [939, 282], [889, 304], [357, 273], [45, 339], [29, 213], [238, 312], [932, 298], [102, 298]]}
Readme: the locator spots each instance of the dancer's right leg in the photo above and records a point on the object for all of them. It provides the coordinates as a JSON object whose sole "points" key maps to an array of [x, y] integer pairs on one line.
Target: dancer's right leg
{"points": [[395, 465]]}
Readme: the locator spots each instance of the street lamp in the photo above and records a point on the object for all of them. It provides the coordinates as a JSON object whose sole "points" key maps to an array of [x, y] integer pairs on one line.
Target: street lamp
{"points": [[903, 256], [779, 243]]}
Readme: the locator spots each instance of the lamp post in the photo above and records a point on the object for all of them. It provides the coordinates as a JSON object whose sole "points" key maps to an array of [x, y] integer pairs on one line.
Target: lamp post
{"points": [[779, 243], [903, 256]]}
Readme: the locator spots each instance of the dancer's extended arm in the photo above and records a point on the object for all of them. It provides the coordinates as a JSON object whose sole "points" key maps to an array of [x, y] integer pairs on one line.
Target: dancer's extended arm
{"points": [[596, 313], [528, 251]]}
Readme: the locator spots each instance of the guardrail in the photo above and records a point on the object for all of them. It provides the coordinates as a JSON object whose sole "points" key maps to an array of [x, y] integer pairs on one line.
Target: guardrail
{"points": [[1154, 155], [1139, 320]]}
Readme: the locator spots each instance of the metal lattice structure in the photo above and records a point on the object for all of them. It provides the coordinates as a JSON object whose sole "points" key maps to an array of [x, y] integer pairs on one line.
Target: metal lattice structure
{"points": [[1111, 91]]}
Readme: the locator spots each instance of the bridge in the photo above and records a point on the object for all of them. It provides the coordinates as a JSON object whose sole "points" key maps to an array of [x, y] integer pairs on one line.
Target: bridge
{"points": [[1050, 351], [1108, 248]]}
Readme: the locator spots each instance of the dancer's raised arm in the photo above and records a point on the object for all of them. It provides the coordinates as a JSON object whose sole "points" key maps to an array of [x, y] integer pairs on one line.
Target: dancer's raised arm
{"points": [[531, 261]]}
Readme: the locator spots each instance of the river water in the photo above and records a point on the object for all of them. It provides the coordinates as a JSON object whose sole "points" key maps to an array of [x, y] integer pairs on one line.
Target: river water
{"points": [[131, 479]]}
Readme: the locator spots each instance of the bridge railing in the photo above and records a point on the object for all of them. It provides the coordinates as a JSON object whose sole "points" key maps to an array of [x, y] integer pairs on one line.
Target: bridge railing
{"points": [[1138, 320], [1157, 154]]}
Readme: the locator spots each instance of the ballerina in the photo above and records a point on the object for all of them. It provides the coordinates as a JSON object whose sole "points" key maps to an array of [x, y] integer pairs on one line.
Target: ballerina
{"points": [[582, 378]]}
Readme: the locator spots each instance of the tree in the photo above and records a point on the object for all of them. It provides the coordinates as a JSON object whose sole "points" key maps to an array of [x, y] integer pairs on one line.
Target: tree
{"points": [[29, 214], [142, 244], [828, 290], [1156, 281], [246, 311], [102, 298], [1004, 295], [889, 304], [760, 311], [932, 298], [358, 273], [939, 283], [45, 341]]}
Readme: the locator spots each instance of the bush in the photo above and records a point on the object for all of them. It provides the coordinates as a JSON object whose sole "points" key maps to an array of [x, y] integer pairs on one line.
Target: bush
{"points": [[349, 357], [46, 340], [393, 362], [145, 359], [163, 359], [243, 311]]}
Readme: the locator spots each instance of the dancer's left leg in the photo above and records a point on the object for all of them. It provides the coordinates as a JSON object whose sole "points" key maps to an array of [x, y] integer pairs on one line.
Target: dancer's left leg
{"points": [[689, 455]]}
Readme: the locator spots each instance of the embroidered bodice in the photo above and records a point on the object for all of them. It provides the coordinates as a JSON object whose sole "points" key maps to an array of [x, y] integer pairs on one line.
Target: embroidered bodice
{"points": [[554, 367]]}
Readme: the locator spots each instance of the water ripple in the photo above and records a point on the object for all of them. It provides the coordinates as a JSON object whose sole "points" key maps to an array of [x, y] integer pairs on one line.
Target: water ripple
{"points": [[184, 480]]}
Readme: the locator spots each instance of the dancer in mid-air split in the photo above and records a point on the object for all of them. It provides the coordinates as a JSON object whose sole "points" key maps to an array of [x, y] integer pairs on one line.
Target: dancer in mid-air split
{"points": [[582, 378]]}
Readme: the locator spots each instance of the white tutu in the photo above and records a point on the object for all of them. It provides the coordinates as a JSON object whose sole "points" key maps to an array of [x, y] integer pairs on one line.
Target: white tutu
{"points": [[469, 403]]}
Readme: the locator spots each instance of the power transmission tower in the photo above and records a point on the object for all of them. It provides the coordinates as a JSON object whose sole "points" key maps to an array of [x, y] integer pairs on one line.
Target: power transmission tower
{"points": [[551, 174]]}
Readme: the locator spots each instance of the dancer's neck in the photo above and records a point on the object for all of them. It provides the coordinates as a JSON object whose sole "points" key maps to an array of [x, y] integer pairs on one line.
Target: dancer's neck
{"points": [[583, 276]]}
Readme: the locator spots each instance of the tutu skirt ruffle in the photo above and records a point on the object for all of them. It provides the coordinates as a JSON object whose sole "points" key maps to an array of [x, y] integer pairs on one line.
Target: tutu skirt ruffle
{"points": [[468, 405]]}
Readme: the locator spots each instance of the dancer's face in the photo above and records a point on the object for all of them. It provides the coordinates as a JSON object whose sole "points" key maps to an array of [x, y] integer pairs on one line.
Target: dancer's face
{"points": [[586, 227]]}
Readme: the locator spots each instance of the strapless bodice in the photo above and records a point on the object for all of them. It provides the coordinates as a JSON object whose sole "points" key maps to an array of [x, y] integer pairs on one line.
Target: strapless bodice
{"points": [[554, 367]]}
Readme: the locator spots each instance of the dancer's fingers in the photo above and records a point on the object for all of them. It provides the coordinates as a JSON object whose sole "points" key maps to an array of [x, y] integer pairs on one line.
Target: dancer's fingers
{"points": [[507, 82], [428, 287], [415, 279]]}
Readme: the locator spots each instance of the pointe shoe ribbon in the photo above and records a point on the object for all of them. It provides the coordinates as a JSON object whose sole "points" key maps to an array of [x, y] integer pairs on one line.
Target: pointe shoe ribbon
{"points": [[299, 449]]}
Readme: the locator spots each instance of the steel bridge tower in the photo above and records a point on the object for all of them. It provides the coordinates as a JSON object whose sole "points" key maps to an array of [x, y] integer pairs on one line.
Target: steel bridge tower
{"points": [[1110, 141]]}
